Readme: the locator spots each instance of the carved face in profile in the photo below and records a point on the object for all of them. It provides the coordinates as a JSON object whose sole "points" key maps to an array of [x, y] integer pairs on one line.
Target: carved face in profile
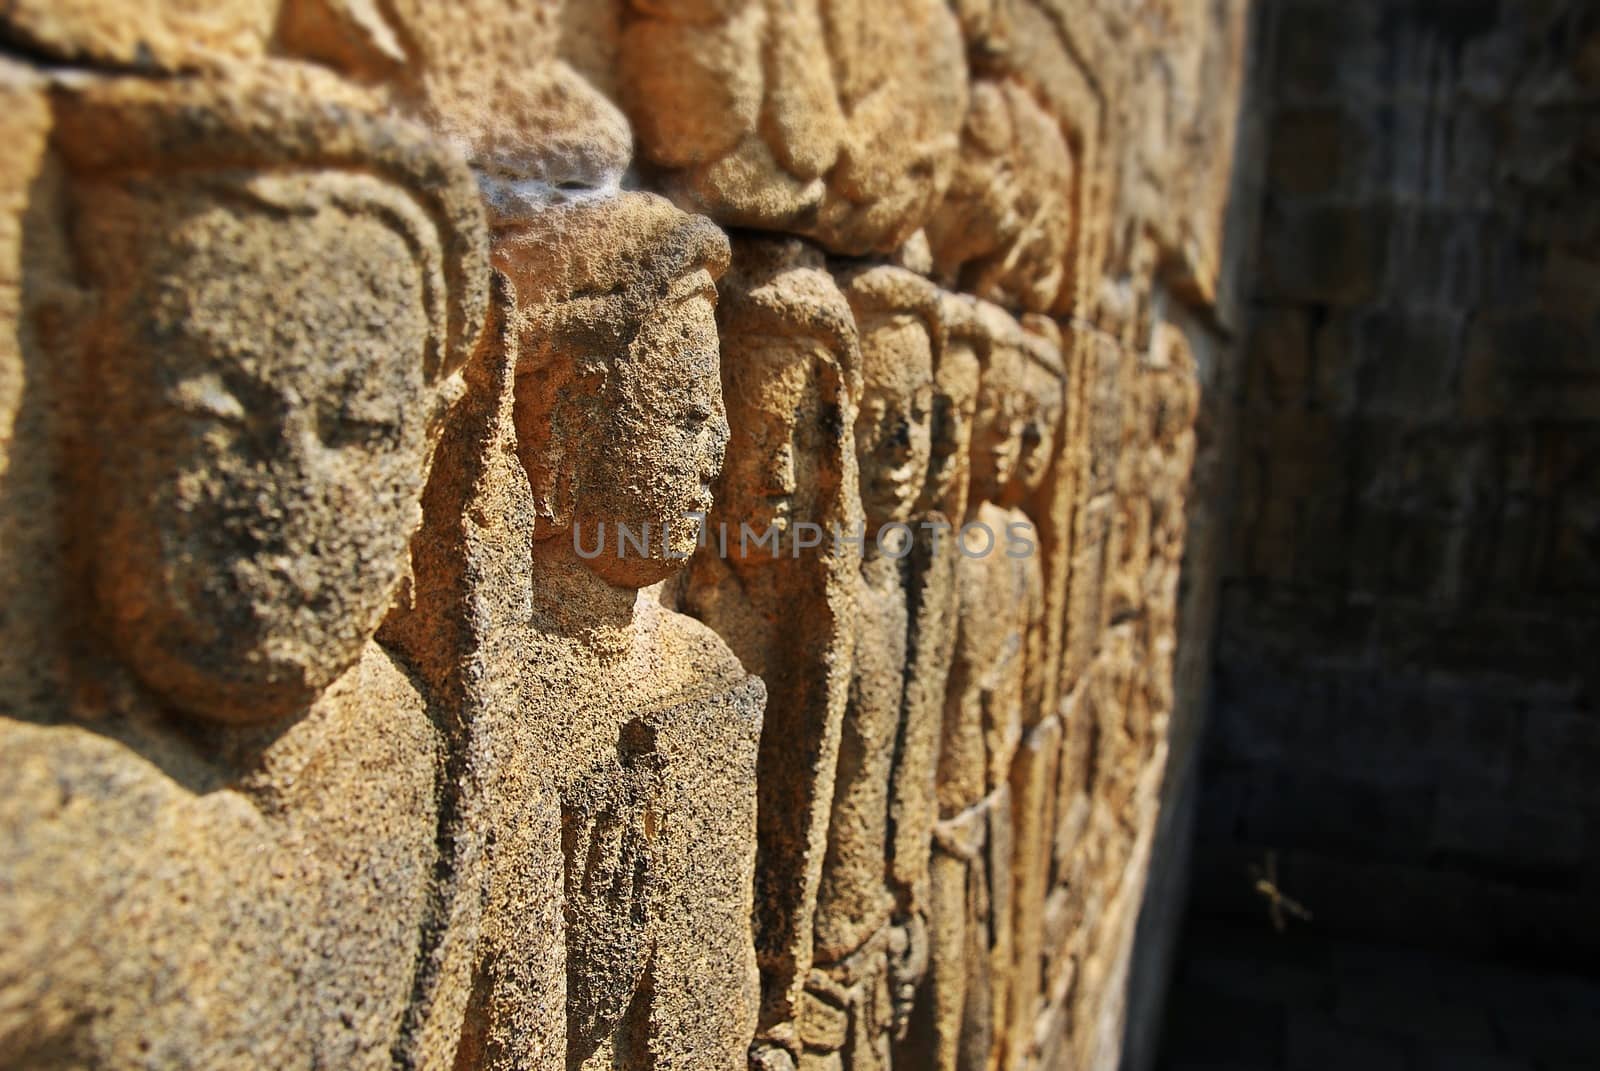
{"points": [[259, 425], [998, 426], [783, 432], [955, 403], [894, 425], [652, 442], [1042, 401], [619, 413]]}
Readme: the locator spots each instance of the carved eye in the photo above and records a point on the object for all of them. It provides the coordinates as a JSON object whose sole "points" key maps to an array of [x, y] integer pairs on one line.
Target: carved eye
{"points": [[697, 416]]}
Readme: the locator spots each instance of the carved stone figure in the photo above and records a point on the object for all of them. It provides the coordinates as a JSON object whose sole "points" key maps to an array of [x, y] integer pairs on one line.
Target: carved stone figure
{"points": [[1004, 231], [993, 694], [933, 598], [869, 940], [955, 404], [373, 692], [935, 607], [1035, 766], [219, 849], [630, 769], [773, 579], [827, 118]]}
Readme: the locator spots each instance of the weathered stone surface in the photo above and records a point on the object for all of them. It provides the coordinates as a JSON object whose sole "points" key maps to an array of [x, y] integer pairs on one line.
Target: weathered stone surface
{"points": [[371, 691], [791, 371], [654, 779], [147, 33], [254, 362], [829, 118], [1005, 229], [869, 942]]}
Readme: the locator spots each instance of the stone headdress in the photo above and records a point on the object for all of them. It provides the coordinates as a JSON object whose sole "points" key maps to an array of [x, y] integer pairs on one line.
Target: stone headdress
{"points": [[783, 289], [246, 136], [887, 290], [585, 275]]}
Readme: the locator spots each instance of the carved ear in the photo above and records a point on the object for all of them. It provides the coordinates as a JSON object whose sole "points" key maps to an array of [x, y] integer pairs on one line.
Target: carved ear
{"points": [[554, 490], [547, 458]]}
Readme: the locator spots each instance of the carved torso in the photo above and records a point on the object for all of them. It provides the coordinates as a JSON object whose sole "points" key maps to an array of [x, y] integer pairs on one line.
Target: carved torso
{"points": [[1001, 600], [278, 925], [855, 899]]}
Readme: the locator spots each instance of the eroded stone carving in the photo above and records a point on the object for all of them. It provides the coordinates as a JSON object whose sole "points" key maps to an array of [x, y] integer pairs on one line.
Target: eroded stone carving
{"points": [[267, 342], [773, 580], [150, 34], [869, 944], [173, 36], [995, 690], [538, 821], [829, 118], [631, 769], [1005, 229]]}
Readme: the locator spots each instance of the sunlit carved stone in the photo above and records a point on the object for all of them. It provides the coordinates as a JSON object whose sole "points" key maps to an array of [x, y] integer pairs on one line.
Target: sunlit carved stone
{"points": [[829, 118], [268, 344], [869, 946], [636, 754], [994, 692], [369, 692], [791, 380], [1004, 231]]}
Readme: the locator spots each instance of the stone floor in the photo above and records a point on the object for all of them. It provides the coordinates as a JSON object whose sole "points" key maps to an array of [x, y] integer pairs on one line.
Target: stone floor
{"points": [[1246, 999]]}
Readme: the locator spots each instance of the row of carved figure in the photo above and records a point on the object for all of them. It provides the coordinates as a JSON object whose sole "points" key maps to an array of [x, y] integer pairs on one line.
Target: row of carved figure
{"points": [[371, 738]]}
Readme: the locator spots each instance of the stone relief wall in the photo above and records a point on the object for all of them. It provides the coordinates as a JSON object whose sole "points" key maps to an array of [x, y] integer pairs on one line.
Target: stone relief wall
{"points": [[593, 535]]}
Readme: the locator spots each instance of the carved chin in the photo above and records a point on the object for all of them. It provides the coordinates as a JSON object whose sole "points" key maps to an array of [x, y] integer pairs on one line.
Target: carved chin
{"points": [[234, 685], [236, 669], [685, 540]]}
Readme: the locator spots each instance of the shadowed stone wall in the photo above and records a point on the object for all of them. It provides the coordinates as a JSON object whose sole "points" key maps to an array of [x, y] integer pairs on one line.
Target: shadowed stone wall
{"points": [[1406, 682]]}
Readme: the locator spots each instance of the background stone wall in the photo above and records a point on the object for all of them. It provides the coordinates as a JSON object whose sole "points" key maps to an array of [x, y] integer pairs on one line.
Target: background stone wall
{"points": [[1405, 684]]}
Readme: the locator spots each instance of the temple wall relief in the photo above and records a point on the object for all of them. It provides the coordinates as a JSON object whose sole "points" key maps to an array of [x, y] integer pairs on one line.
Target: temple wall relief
{"points": [[632, 535]]}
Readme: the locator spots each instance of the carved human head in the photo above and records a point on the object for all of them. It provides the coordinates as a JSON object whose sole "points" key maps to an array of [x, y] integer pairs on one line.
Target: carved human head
{"points": [[1003, 404], [790, 363], [955, 404], [619, 412], [278, 334], [901, 332], [1044, 401]]}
